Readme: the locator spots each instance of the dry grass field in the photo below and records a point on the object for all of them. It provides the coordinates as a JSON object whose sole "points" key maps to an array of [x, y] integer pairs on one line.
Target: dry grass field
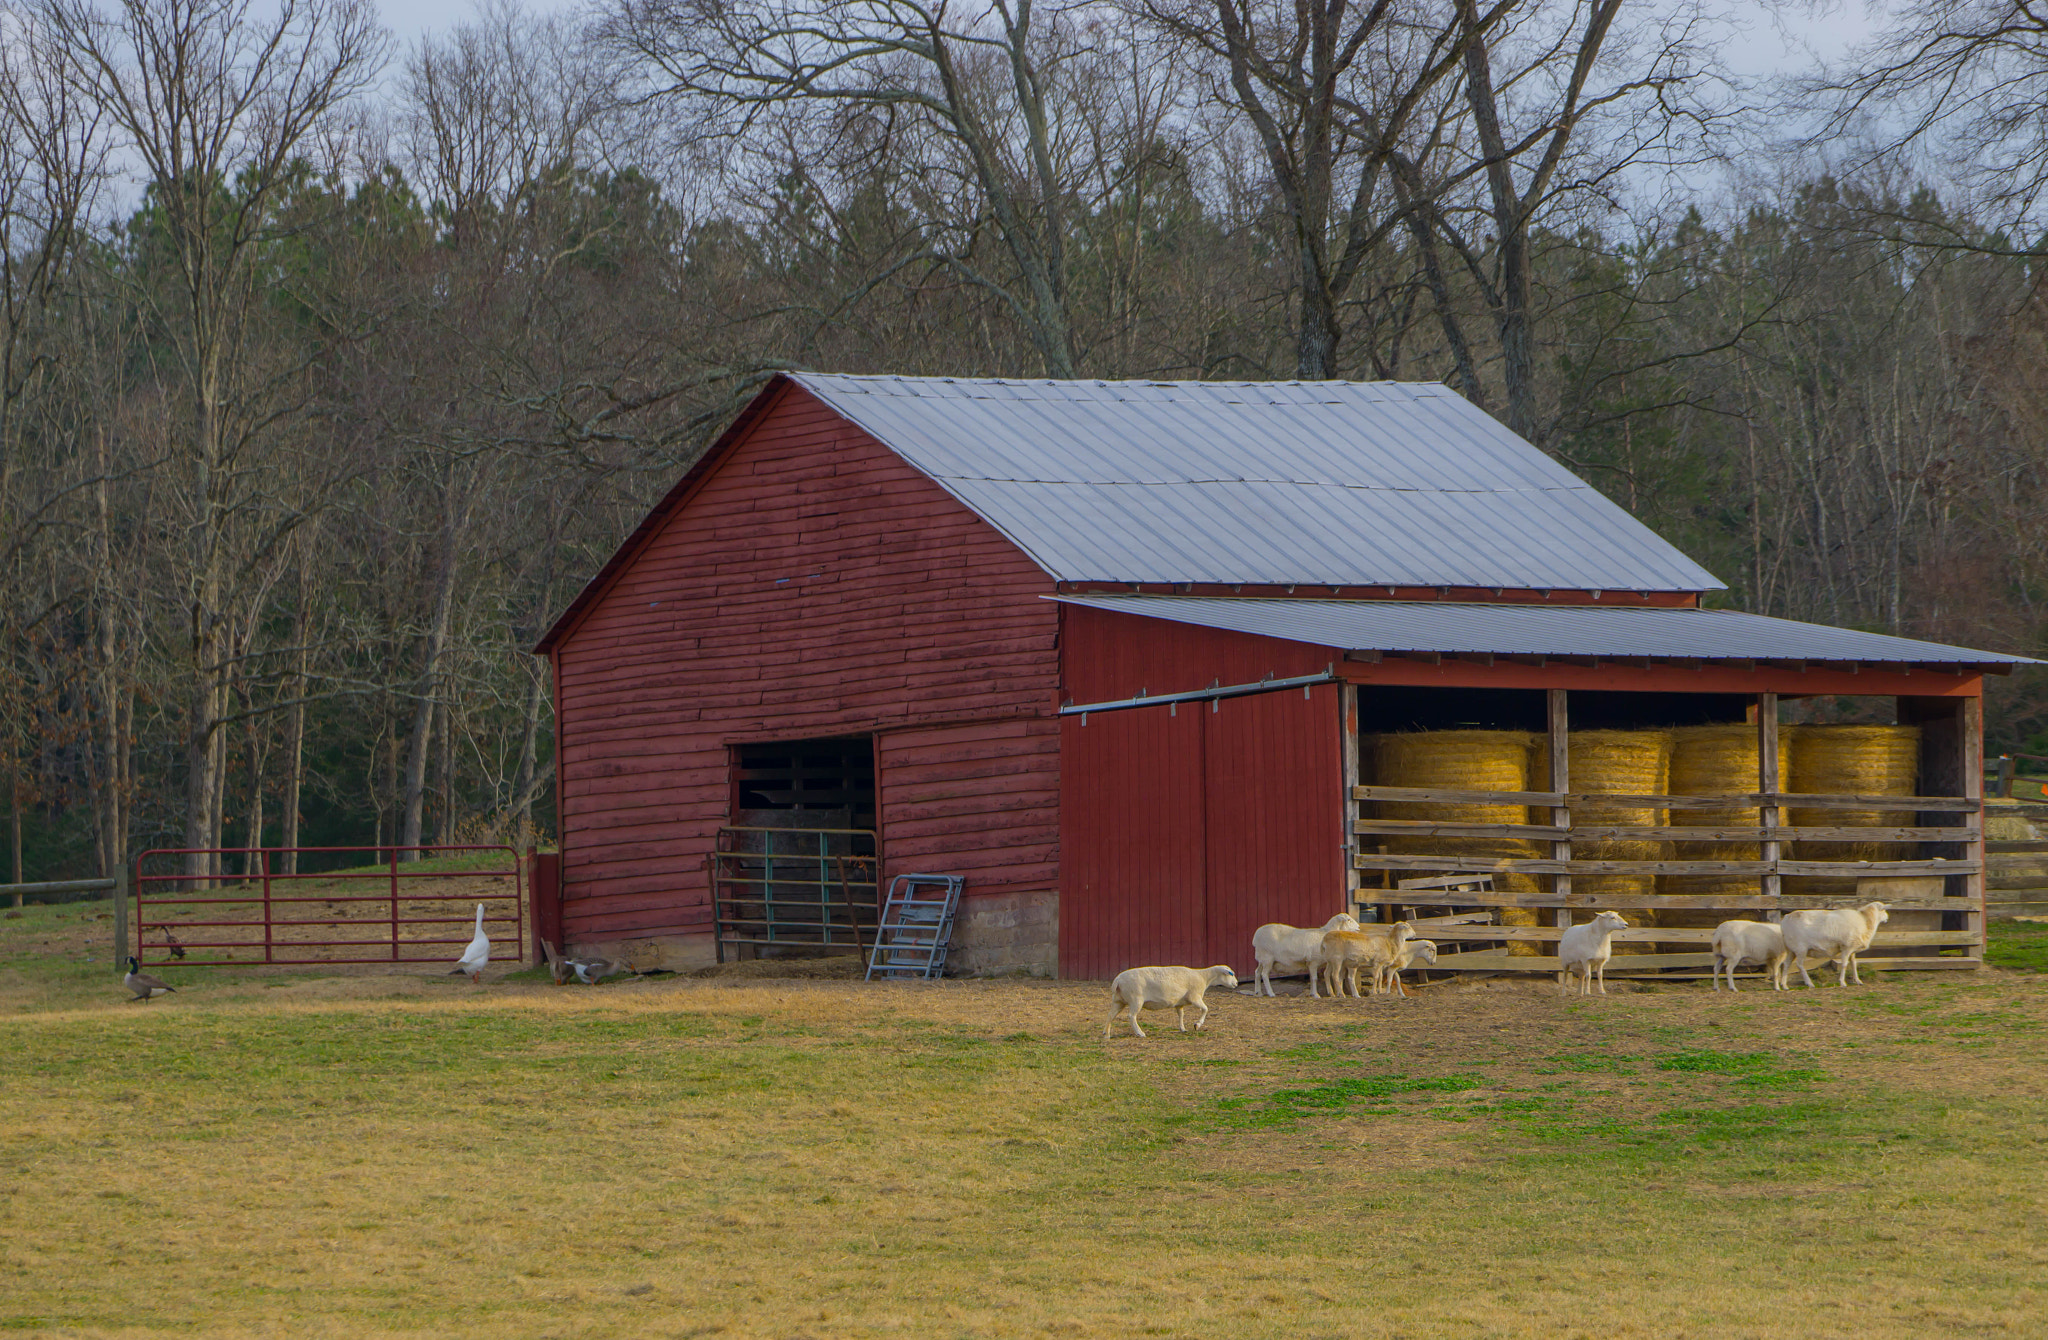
{"points": [[291, 1154]]}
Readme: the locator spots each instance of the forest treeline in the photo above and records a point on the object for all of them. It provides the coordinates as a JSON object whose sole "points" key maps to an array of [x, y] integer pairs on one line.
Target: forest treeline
{"points": [[331, 367]]}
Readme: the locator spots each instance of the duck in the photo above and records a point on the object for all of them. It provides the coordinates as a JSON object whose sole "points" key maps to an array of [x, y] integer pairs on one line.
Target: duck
{"points": [[145, 987], [477, 955]]}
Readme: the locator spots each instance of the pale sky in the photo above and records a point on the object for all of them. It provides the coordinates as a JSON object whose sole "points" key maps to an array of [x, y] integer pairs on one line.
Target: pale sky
{"points": [[1768, 39]]}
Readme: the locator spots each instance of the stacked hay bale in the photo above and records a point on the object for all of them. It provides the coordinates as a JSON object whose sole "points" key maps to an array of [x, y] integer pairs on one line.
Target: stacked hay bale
{"points": [[1464, 760], [1857, 761], [1716, 761], [1620, 763]]}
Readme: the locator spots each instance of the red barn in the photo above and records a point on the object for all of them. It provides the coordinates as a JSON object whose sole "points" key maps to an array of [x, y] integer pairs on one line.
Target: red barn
{"points": [[1107, 649]]}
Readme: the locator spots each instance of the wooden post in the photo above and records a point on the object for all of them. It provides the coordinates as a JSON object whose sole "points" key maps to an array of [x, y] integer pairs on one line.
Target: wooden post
{"points": [[1769, 815], [120, 917], [1560, 781], [1973, 789], [1348, 809], [2006, 766]]}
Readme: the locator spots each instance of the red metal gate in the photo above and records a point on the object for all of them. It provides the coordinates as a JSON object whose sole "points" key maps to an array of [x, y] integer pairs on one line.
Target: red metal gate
{"points": [[382, 911]]}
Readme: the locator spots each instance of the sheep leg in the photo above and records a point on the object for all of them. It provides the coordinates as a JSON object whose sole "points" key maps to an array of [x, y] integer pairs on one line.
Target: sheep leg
{"points": [[1136, 1031], [1180, 1015], [1804, 975], [1203, 1017], [1855, 973], [1115, 1005]]}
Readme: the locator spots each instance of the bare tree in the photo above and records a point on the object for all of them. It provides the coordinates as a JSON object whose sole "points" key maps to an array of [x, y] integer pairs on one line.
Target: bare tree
{"points": [[1966, 79], [217, 100], [978, 94]]}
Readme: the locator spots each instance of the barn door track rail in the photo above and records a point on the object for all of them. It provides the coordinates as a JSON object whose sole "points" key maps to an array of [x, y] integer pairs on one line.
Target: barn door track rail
{"points": [[1210, 694]]}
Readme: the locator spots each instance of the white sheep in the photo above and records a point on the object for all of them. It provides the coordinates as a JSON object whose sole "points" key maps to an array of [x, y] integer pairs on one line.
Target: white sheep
{"points": [[1165, 989], [1839, 934], [1585, 950], [1413, 951], [1289, 949], [1344, 953], [1739, 942]]}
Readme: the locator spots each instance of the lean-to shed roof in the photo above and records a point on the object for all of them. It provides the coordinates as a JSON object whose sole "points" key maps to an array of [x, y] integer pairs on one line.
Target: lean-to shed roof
{"points": [[1623, 632], [1320, 483]]}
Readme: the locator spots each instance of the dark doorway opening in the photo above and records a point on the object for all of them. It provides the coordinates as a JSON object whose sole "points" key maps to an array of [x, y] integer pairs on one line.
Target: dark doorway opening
{"points": [[795, 872], [830, 782]]}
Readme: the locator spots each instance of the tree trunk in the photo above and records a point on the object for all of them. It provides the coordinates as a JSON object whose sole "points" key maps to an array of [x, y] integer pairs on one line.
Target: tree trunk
{"points": [[295, 728], [14, 815], [445, 723], [425, 692], [253, 848], [1511, 314], [527, 780]]}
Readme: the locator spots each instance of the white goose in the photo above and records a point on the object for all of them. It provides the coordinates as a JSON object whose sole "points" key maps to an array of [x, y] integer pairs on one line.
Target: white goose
{"points": [[477, 955]]}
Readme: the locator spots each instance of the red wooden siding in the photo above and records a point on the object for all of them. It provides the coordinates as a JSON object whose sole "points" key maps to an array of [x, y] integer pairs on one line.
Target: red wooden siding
{"points": [[1131, 841], [980, 800], [1277, 846], [1110, 655], [1186, 828], [813, 585]]}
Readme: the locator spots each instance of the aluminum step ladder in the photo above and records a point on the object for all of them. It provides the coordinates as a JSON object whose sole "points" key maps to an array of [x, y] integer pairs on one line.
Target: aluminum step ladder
{"points": [[916, 926]]}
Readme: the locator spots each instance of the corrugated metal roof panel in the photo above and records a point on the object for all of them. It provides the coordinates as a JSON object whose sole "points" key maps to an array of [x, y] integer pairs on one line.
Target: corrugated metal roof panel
{"points": [[1542, 630], [1320, 483]]}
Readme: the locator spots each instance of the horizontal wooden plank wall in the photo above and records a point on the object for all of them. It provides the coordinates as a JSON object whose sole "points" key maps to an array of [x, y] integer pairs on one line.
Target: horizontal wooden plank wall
{"points": [[980, 800], [813, 585]]}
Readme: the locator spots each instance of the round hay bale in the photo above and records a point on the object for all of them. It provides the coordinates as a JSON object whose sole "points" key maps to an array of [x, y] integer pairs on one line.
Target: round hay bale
{"points": [[1464, 760], [1859, 761], [1617, 763], [1707, 761], [1455, 760]]}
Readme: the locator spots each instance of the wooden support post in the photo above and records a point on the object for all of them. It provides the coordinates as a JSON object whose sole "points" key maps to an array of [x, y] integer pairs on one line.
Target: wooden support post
{"points": [[120, 918], [1767, 782], [2007, 765], [1347, 744], [1560, 782], [1972, 762]]}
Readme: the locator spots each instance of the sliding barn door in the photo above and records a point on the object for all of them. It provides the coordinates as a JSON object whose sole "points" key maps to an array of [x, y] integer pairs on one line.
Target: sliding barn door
{"points": [[1185, 828]]}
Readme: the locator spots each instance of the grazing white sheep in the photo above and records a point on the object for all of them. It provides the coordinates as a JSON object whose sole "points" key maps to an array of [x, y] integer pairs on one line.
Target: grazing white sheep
{"points": [[1837, 934], [1584, 950], [1740, 942], [1288, 950], [1175, 989], [1414, 951], [1344, 953]]}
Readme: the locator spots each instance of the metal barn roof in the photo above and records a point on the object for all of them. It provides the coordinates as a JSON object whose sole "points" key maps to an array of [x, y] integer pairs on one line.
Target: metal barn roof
{"points": [[1543, 630], [1319, 483]]}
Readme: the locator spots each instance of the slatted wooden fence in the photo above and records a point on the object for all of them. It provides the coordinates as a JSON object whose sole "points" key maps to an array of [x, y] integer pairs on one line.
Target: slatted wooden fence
{"points": [[1952, 850]]}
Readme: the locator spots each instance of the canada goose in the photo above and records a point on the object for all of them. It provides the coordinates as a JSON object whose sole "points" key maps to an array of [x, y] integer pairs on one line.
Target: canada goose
{"points": [[142, 984], [590, 971], [558, 967], [477, 955], [177, 949]]}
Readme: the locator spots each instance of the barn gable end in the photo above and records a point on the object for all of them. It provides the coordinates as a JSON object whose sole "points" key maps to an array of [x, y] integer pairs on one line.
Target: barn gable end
{"points": [[808, 583]]}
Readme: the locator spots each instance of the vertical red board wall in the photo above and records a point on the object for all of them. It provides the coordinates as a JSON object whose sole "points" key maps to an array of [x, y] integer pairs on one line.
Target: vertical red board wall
{"points": [[1276, 846], [1132, 841], [1184, 829]]}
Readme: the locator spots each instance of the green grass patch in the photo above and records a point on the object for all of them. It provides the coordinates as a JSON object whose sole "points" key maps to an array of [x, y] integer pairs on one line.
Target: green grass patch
{"points": [[2021, 945]]}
